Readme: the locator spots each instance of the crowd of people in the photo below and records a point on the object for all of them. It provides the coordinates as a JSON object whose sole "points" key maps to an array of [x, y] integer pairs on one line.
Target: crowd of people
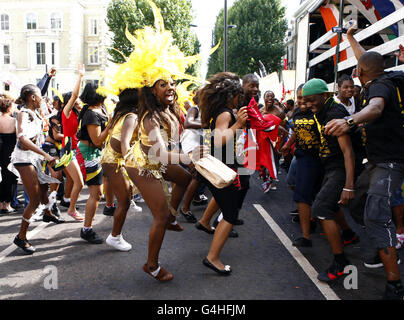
{"points": [[342, 153]]}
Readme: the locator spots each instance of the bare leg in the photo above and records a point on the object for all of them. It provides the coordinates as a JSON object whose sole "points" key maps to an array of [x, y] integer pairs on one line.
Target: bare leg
{"points": [[211, 209], [219, 239], [75, 183], [181, 179], [340, 219], [389, 259], [304, 216], [120, 185], [191, 192], [334, 238], [31, 184], [108, 193], [154, 196], [92, 205]]}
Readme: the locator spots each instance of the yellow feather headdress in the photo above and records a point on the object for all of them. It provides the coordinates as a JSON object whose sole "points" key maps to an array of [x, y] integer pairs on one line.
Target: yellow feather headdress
{"points": [[184, 94], [154, 58]]}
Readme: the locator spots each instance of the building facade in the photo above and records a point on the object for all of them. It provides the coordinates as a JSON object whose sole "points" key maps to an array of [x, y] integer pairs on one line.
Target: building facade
{"points": [[36, 35]]}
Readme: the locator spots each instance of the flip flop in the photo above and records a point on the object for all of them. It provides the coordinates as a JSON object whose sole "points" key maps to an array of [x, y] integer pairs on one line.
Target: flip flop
{"points": [[76, 216]]}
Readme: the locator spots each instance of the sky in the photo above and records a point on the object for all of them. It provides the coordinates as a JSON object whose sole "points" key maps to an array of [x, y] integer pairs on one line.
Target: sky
{"points": [[206, 11]]}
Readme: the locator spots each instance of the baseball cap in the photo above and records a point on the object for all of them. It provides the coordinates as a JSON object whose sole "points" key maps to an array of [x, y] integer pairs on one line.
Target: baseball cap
{"points": [[314, 86]]}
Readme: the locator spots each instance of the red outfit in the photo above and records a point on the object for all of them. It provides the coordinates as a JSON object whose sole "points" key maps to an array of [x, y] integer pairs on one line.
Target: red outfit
{"points": [[70, 126], [258, 145]]}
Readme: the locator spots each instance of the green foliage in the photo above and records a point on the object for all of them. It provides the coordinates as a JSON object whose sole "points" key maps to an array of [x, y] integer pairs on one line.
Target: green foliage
{"points": [[260, 34], [137, 14]]}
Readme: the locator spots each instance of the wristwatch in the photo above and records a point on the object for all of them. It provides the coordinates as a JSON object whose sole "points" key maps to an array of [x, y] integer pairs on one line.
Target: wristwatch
{"points": [[350, 121]]}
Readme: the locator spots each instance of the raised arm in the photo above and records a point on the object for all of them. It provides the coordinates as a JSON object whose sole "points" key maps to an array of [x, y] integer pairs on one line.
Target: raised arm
{"points": [[400, 53], [43, 84], [75, 94], [356, 47]]}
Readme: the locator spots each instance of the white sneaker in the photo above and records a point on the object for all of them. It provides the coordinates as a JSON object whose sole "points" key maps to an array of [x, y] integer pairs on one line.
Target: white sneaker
{"points": [[134, 207], [118, 243], [37, 216], [400, 240]]}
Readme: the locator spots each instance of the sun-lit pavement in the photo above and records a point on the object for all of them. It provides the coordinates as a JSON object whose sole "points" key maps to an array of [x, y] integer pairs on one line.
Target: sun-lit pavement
{"points": [[265, 266]]}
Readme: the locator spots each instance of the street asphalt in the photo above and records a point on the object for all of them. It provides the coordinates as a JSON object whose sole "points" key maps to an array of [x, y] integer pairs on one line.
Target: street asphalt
{"points": [[264, 266]]}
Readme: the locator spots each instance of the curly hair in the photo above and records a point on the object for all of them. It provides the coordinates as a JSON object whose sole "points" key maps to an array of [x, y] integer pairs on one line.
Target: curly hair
{"points": [[149, 103], [219, 92]]}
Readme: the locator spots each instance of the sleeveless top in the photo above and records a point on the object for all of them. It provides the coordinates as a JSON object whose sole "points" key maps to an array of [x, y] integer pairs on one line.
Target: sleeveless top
{"points": [[225, 153]]}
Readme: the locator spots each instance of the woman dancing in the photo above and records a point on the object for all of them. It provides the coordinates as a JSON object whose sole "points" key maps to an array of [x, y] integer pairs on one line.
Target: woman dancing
{"points": [[26, 162], [121, 140], [217, 101], [151, 67], [93, 130], [69, 118]]}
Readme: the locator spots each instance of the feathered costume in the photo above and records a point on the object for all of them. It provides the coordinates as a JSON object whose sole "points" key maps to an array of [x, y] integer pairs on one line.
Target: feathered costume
{"points": [[154, 58]]}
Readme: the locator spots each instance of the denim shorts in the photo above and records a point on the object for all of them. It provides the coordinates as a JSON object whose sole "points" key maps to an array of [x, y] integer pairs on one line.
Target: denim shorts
{"points": [[308, 176]]}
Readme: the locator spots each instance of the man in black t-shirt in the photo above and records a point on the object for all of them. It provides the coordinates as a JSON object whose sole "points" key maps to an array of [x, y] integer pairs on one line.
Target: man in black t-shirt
{"points": [[383, 116], [338, 161]]}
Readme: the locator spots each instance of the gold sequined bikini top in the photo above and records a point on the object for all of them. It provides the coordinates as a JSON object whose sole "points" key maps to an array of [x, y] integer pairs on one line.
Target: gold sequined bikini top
{"points": [[117, 130], [144, 138]]}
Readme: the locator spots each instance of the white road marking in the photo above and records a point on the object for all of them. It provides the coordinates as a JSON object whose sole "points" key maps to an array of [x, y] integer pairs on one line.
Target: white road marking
{"points": [[11, 248], [324, 288]]}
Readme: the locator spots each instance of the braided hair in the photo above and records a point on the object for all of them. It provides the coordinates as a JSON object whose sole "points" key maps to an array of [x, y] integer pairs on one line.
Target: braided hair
{"points": [[220, 92]]}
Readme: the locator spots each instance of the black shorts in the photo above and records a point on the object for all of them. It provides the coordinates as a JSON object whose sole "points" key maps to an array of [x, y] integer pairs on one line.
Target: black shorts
{"points": [[325, 205], [51, 149], [226, 199], [94, 175]]}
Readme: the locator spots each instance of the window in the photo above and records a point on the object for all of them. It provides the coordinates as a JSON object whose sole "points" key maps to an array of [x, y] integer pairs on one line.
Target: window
{"points": [[40, 53], [31, 21], [6, 87], [56, 21], [6, 54], [4, 22], [53, 53], [93, 55], [93, 27]]}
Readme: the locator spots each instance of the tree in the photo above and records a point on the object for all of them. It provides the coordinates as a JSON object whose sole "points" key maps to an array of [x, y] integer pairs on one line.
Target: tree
{"points": [[136, 14], [259, 35]]}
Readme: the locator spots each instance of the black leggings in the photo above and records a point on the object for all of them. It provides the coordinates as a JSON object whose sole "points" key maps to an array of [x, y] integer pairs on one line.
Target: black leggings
{"points": [[8, 184]]}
